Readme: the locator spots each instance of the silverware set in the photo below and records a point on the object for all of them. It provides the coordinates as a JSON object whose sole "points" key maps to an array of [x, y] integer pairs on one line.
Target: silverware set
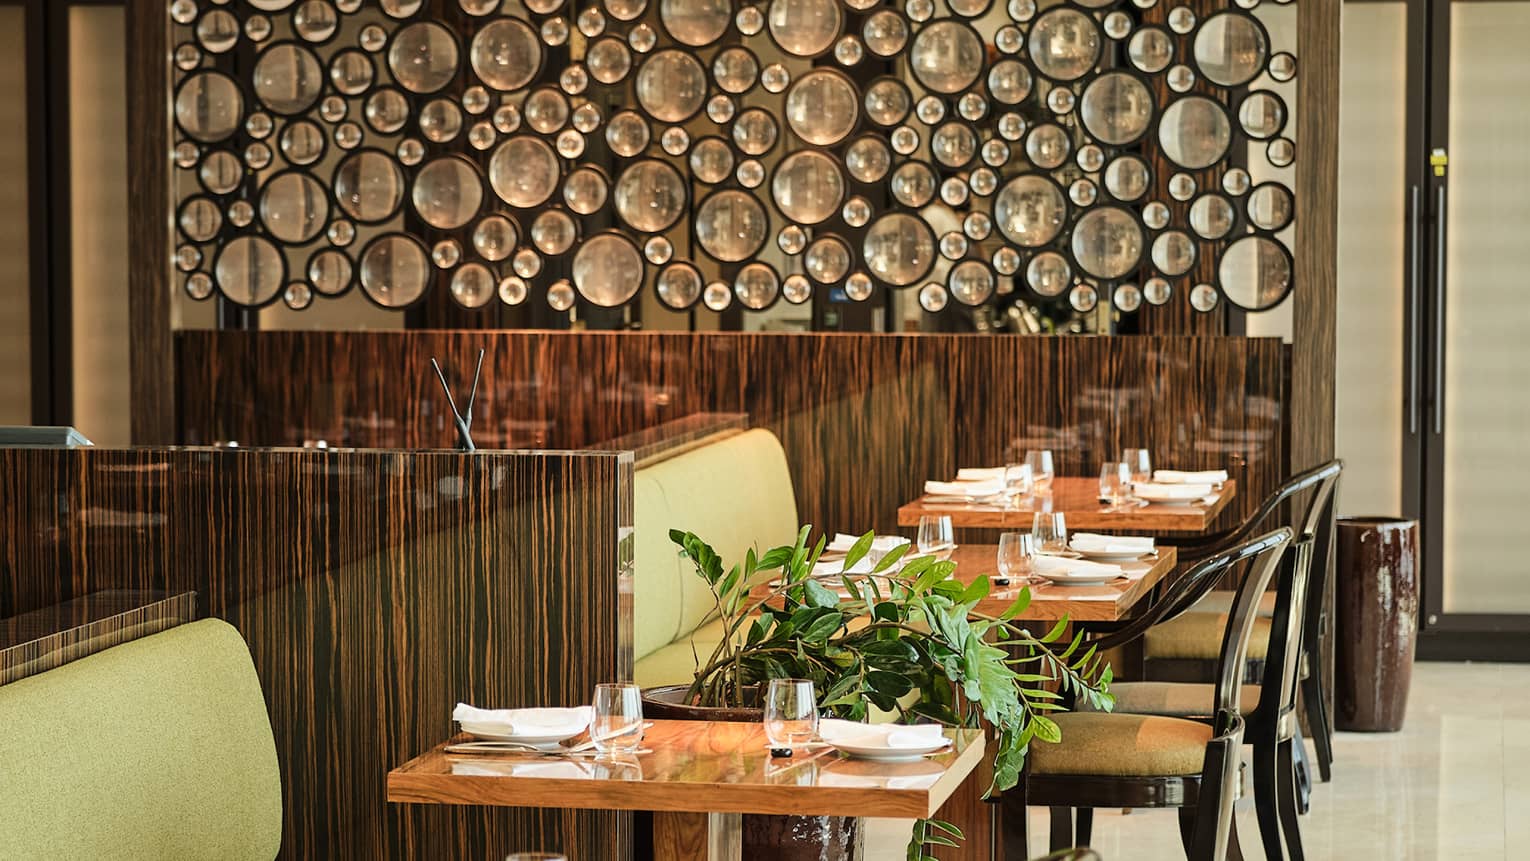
{"points": [[585, 748]]}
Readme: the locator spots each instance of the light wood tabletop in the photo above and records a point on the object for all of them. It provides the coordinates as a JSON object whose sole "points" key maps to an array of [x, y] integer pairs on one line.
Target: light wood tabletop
{"points": [[697, 778], [1079, 501], [1111, 602]]}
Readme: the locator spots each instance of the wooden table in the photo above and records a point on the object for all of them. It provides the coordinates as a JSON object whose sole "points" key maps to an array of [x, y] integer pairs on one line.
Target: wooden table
{"points": [[1109, 603], [1079, 501], [699, 779]]}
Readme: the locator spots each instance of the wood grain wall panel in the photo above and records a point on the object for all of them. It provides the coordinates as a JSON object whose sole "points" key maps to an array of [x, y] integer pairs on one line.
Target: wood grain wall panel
{"points": [[151, 359], [375, 589], [864, 419]]}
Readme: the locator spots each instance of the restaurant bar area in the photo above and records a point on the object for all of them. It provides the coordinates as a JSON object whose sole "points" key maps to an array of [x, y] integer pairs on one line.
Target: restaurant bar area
{"points": [[719, 430]]}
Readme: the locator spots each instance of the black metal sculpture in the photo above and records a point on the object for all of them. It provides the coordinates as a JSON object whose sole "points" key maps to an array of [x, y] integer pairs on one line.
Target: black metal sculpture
{"points": [[463, 419]]}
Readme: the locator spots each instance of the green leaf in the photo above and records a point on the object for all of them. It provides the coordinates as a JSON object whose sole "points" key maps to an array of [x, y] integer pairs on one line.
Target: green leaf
{"points": [[1046, 729], [891, 557], [858, 551], [1022, 601], [889, 684], [1056, 631], [818, 595], [975, 592]]}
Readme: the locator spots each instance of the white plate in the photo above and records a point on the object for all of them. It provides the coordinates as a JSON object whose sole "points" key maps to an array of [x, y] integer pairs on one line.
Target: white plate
{"points": [[889, 754], [1063, 554], [1116, 557], [493, 732], [1171, 500], [1074, 580]]}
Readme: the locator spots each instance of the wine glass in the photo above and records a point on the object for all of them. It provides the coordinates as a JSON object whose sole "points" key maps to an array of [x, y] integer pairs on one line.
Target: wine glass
{"points": [[617, 726], [535, 856], [1050, 532], [1016, 550], [1116, 483], [1040, 462], [1140, 463], [791, 713], [934, 533]]}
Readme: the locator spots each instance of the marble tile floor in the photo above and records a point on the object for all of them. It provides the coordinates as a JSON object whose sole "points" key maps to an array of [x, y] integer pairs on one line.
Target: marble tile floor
{"points": [[1454, 784]]}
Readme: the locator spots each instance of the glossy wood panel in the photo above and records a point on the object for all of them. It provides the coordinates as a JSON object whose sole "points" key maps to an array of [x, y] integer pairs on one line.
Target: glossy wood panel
{"points": [[701, 767], [375, 589], [49, 637], [865, 419], [150, 232]]}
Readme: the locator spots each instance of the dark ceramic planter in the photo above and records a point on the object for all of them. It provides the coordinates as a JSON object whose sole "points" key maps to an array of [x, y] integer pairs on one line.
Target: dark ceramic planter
{"points": [[1377, 622], [769, 838]]}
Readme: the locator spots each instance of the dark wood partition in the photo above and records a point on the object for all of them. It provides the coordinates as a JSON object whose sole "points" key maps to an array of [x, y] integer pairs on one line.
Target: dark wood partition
{"points": [[865, 419], [375, 589]]}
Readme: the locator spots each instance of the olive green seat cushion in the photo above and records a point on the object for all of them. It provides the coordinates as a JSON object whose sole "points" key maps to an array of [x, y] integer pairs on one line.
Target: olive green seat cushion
{"points": [[1173, 699], [1221, 601], [1122, 745], [1198, 634], [159, 748], [736, 494]]}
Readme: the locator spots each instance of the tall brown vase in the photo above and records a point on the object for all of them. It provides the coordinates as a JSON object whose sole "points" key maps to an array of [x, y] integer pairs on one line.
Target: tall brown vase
{"points": [[1377, 613], [768, 838]]}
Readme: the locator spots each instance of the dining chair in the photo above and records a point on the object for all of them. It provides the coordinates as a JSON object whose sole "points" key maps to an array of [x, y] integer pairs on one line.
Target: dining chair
{"points": [[1185, 649], [1124, 760], [1268, 709]]}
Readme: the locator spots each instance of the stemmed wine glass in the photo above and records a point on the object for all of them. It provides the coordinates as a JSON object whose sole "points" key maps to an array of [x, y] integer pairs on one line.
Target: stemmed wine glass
{"points": [[791, 713], [1017, 482], [1050, 532], [1140, 463]]}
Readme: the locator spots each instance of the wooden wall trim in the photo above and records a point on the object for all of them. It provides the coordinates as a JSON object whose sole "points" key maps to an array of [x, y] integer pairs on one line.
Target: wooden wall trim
{"points": [[152, 358], [1315, 300]]}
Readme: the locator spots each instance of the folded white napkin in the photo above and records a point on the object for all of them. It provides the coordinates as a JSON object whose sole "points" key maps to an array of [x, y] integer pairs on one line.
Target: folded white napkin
{"points": [[835, 567], [1060, 565], [980, 473], [1175, 476], [880, 544], [527, 722], [1186, 492], [889, 735], [1090, 542], [973, 489]]}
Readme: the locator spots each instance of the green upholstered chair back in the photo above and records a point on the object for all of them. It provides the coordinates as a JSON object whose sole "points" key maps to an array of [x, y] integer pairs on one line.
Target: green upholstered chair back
{"points": [[735, 493], [159, 748]]}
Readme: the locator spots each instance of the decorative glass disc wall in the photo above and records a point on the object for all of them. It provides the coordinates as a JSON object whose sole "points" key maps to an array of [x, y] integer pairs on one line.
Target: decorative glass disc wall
{"points": [[729, 154]]}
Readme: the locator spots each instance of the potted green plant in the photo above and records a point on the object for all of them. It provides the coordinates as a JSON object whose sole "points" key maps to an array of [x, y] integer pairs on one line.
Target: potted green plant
{"points": [[905, 639]]}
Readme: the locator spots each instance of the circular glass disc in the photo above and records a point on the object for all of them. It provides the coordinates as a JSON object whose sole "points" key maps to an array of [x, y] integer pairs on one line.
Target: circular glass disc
{"points": [[506, 54], [947, 56], [899, 248], [208, 106], [805, 28], [822, 107], [395, 270], [250, 270], [447, 192], [369, 186], [650, 195], [1107, 242], [808, 187], [1194, 132], [671, 86], [1255, 273], [1116, 108], [524, 171], [1029, 210], [731, 225], [423, 57], [1064, 44], [294, 207], [1230, 49], [607, 270]]}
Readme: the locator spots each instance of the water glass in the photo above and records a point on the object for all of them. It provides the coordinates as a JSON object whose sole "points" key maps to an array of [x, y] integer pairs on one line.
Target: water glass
{"points": [[1050, 532], [1016, 550], [617, 726], [1140, 463], [791, 713], [1040, 462], [1116, 483], [934, 533]]}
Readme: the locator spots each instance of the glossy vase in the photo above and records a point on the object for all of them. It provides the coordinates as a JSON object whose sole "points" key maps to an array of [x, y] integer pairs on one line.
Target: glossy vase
{"points": [[768, 838], [1377, 622]]}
